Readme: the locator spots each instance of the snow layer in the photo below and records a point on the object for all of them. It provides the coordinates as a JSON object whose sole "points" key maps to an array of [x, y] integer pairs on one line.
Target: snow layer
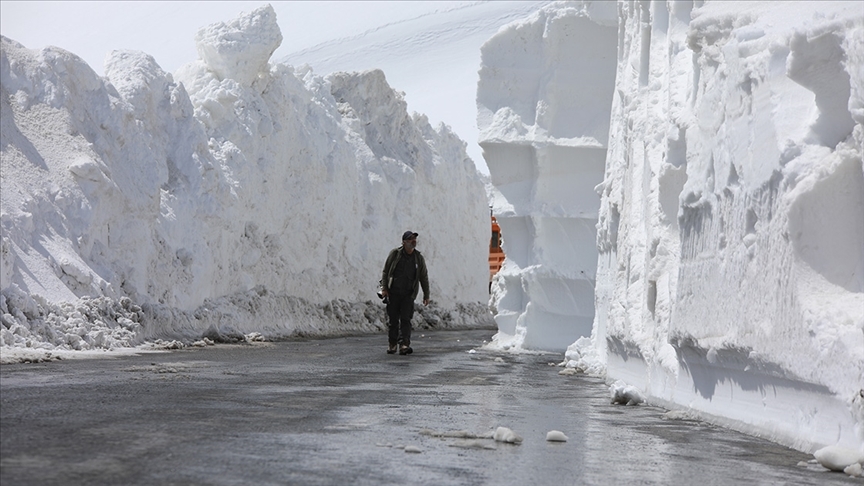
{"points": [[543, 106], [730, 223], [235, 196]]}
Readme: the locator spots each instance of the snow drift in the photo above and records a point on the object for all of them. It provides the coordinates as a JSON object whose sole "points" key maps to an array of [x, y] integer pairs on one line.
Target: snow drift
{"points": [[234, 196], [725, 142]]}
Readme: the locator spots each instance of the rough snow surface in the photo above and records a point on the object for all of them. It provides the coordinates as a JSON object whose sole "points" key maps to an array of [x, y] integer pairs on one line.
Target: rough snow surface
{"points": [[232, 197], [724, 140]]}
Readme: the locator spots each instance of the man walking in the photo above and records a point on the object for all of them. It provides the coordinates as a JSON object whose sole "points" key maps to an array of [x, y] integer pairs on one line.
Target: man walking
{"points": [[404, 274]]}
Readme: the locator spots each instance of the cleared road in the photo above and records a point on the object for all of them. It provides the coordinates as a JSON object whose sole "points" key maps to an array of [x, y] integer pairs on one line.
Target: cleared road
{"points": [[341, 411]]}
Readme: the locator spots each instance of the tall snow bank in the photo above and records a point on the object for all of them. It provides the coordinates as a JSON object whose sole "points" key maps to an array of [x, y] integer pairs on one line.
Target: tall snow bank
{"points": [[543, 111], [730, 272], [233, 197], [736, 284]]}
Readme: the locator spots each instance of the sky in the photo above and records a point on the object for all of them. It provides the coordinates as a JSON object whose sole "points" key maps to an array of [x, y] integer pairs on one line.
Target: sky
{"points": [[439, 79]]}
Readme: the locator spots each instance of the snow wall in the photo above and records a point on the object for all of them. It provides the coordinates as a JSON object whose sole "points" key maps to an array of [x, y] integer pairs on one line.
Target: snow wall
{"points": [[232, 197], [725, 143]]}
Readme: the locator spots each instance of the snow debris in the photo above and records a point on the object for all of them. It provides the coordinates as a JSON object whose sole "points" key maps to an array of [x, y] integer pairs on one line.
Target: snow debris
{"points": [[838, 458], [461, 434], [555, 436], [413, 449], [160, 344], [255, 337], [473, 444], [584, 357], [30, 321], [468, 440], [503, 434], [686, 415], [855, 470], [624, 394]]}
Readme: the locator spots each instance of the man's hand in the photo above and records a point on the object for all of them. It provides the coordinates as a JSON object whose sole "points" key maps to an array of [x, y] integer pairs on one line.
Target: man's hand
{"points": [[425, 301], [385, 293]]}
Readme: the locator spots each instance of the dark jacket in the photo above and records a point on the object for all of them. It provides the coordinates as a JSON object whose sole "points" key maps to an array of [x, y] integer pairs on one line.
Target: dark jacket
{"points": [[422, 277]]}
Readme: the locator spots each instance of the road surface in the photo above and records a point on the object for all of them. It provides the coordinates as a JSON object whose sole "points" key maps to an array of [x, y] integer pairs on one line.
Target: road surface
{"points": [[341, 411]]}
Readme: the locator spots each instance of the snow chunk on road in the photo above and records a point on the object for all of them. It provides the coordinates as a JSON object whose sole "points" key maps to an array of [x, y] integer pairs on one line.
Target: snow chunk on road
{"points": [[837, 458], [624, 394], [503, 434], [854, 470], [555, 436]]}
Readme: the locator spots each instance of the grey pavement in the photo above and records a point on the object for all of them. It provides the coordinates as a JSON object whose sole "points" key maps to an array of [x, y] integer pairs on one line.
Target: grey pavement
{"points": [[342, 411]]}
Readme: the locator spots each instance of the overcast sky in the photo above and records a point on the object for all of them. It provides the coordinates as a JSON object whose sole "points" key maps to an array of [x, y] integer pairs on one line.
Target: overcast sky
{"points": [[439, 80]]}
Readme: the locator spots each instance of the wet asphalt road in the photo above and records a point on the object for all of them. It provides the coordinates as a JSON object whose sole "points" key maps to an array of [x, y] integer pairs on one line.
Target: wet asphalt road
{"points": [[336, 411]]}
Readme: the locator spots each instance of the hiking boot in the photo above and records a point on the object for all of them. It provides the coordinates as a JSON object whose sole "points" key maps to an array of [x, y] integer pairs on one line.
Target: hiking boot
{"points": [[405, 349], [391, 349]]}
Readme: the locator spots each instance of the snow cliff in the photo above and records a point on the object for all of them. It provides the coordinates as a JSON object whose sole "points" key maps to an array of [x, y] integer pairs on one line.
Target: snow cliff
{"points": [[730, 222], [234, 196], [543, 102]]}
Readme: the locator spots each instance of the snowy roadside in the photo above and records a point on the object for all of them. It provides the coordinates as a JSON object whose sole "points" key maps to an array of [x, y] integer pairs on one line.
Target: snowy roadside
{"points": [[34, 329]]}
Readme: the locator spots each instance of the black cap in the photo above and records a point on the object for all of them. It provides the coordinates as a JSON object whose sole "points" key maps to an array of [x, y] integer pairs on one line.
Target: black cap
{"points": [[408, 235]]}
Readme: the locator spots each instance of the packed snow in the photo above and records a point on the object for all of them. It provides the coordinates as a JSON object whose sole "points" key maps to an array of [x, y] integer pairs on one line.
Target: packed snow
{"points": [[680, 191], [234, 199]]}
